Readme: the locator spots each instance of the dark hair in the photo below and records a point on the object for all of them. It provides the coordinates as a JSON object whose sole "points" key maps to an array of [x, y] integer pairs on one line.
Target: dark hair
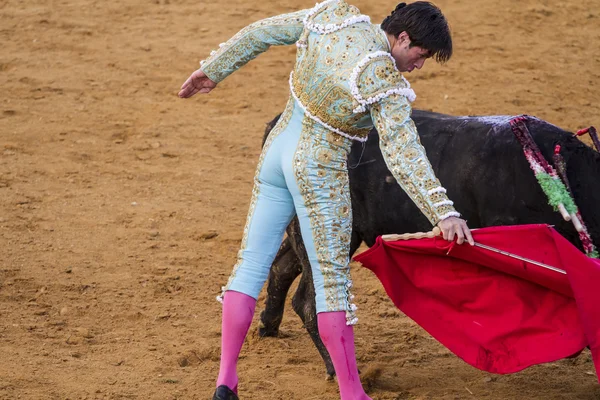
{"points": [[425, 25]]}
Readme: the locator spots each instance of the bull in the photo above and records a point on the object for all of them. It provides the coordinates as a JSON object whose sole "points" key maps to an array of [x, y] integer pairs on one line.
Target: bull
{"points": [[482, 166]]}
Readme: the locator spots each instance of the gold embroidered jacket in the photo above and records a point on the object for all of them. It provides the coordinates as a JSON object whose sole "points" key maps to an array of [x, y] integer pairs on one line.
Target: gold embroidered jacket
{"points": [[346, 79]]}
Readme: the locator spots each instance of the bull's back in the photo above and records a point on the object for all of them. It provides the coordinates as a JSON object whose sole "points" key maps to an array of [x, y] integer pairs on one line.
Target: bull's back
{"points": [[479, 162]]}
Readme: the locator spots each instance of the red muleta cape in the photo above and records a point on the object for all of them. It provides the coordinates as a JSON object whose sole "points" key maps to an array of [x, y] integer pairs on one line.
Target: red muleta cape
{"points": [[497, 313]]}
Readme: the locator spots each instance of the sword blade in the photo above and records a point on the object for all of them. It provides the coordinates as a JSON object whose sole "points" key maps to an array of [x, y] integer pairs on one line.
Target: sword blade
{"points": [[506, 253]]}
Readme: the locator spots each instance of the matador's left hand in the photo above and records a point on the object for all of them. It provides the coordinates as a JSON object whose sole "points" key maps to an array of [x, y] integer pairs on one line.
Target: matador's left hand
{"points": [[198, 82], [454, 226]]}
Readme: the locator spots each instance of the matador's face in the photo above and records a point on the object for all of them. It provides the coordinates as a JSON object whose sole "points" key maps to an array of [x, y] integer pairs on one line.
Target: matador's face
{"points": [[407, 57]]}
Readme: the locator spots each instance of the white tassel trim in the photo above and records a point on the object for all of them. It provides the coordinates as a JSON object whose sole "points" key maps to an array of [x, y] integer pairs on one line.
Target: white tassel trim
{"points": [[316, 119], [438, 189], [450, 214], [351, 318], [316, 9], [364, 103], [220, 297], [408, 93], [444, 203], [330, 28]]}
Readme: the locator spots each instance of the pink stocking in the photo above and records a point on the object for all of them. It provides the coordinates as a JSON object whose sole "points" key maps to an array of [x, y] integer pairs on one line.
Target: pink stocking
{"points": [[238, 310], [338, 338]]}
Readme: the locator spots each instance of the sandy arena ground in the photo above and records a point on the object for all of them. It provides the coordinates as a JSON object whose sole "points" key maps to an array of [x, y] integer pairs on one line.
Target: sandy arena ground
{"points": [[122, 206]]}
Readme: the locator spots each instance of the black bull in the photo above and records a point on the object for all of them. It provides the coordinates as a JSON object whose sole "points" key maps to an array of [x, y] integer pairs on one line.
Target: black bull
{"points": [[482, 166]]}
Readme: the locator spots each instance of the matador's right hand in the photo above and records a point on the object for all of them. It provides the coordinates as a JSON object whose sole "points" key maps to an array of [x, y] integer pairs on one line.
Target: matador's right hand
{"points": [[454, 226], [197, 82]]}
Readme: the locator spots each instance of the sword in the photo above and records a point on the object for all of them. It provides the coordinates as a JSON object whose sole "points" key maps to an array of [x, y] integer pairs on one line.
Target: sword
{"points": [[506, 253]]}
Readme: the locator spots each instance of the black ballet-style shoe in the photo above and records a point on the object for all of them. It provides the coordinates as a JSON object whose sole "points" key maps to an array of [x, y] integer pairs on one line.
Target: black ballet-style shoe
{"points": [[224, 393]]}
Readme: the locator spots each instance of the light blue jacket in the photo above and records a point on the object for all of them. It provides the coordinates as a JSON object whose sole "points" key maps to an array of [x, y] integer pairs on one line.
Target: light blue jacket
{"points": [[346, 79]]}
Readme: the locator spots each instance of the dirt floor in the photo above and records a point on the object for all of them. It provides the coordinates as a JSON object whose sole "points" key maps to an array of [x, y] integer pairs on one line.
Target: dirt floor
{"points": [[122, 206]]}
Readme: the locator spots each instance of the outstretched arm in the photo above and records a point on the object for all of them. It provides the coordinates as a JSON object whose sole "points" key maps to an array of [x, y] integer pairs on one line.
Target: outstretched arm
{"points": [[377, 85], [246, 45], [406, 159], [256, 38]]}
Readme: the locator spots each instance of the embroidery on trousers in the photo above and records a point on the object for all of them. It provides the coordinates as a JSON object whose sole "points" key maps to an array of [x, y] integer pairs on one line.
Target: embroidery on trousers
{"points": [[322, 178]]}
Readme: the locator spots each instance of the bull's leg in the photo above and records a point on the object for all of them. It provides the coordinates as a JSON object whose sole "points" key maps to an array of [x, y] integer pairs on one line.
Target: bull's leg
{"points": [[303, 302], [284, 271], [305, 306]]}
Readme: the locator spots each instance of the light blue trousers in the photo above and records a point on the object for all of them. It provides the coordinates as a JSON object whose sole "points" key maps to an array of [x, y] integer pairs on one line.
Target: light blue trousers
{"points": [[302, 171]]}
